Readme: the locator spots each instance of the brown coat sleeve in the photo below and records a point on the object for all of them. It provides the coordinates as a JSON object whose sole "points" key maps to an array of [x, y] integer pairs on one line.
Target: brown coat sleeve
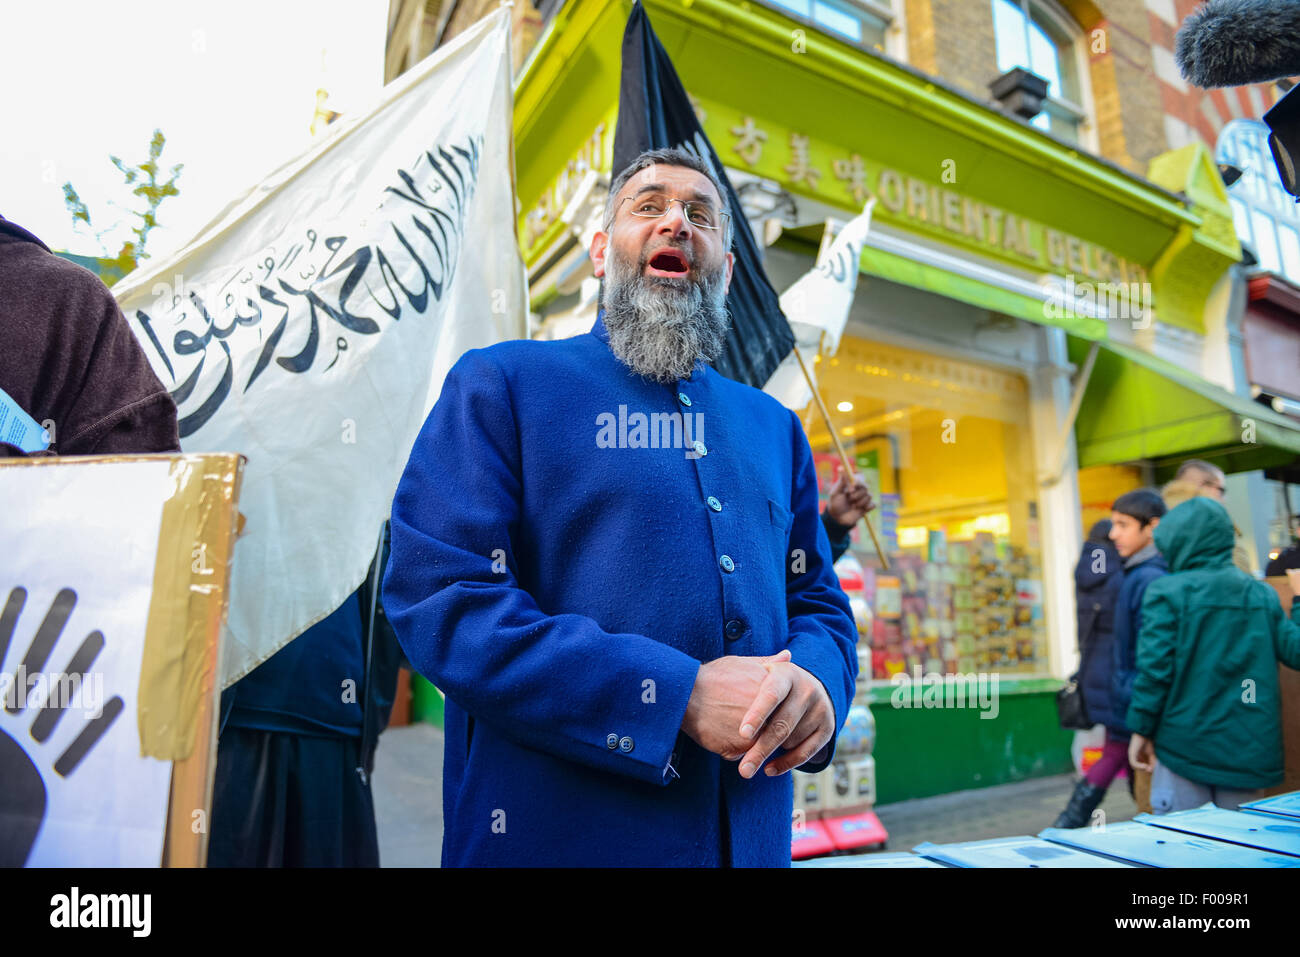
{"points": [[70, 359], [121, 407]]}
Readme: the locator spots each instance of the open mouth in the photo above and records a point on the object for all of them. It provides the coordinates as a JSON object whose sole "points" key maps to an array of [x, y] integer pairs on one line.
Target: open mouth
{"points": [[667, 262]]}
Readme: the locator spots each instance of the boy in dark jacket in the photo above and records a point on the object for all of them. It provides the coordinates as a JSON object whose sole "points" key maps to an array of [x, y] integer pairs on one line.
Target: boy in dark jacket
{"points": [[1206, 692], [1097, 578], [1134, 518]]}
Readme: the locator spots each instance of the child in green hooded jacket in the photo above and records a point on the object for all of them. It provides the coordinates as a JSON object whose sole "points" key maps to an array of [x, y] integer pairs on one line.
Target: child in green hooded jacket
{"points": [[1206, 692]]}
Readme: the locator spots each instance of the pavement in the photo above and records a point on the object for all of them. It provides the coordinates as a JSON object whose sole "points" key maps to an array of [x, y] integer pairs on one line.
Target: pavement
{"points": [[407, 789], [1005, 810]]}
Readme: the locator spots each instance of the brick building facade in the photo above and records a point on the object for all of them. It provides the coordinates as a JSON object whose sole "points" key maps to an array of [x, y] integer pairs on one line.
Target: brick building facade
{"points": [[1137, 104]]}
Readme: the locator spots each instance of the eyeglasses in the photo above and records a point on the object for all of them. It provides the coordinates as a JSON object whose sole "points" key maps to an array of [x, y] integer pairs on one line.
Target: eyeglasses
{"points": [[702, 215]]}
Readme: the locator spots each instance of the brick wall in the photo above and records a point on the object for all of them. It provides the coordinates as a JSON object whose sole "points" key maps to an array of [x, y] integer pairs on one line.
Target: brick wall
{"points": [[1126, 96], [954, 39], [525, 28], [1141, 105]]}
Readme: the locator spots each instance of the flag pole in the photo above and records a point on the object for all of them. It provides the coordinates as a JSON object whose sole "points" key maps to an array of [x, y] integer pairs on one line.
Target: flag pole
{"points": [[848, 467]]}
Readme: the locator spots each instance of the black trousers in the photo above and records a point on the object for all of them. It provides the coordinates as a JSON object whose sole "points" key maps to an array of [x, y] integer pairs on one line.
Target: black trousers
{"points": [[290, 800]]}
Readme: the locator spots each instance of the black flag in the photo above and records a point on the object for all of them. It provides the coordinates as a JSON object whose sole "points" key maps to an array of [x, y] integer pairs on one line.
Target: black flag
{"points": [[654, 113]]}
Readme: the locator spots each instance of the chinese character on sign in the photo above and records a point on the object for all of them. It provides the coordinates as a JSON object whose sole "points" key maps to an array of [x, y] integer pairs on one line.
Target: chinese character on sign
{"points": [[853, 174], [699, 110], [799, 168], [750, 140]]}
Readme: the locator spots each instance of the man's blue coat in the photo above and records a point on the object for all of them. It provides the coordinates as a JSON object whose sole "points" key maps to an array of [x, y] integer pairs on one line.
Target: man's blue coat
{"points": [[563, 593]]}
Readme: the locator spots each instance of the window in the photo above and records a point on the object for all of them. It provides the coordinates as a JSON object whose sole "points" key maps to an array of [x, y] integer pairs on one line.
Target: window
{"points": [[958, 519], [1266, 217], [1043, 41], [1290, 240], [1262, 226], [864, 22]]}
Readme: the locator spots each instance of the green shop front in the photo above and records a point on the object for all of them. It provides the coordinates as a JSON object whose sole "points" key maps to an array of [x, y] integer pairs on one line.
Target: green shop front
{"points": [[953, 385]]}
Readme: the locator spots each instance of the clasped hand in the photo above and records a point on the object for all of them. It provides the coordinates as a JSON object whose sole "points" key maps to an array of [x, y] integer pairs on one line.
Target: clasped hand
{"points": [[744, 708]]}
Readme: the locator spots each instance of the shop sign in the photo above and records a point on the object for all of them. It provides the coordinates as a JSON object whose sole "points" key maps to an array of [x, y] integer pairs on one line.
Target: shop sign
{"points": [[919, 204], [590, 155]]}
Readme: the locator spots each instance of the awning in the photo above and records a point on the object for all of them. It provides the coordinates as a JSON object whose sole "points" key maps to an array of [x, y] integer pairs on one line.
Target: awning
{"points": [[1139, 407], [886, 255], [958, 279]]}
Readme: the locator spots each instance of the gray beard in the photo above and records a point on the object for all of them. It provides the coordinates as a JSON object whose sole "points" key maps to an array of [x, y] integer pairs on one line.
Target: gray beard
{"points": [[660, 326]]}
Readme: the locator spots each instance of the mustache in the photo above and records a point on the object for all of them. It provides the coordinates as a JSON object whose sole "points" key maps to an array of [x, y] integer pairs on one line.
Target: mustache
{"points": [[660, 326]]}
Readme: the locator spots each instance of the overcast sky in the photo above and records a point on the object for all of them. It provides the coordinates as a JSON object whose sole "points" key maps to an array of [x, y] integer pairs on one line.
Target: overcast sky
{"points": [[232, 86]]}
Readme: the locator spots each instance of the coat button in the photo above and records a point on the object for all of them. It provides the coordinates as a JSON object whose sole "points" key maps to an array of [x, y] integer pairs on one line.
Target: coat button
{"points": [[735, 628], [714, 504], [700, 449], [727, 564], [625, 744], [611, 742], [684, 399]]}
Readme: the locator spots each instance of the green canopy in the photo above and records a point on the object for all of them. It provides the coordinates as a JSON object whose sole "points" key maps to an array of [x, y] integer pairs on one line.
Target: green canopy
{"points": [[945, 282], [950, 284], [1140, 407]]}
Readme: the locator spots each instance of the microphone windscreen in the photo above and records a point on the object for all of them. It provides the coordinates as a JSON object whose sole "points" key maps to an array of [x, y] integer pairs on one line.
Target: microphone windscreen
{"points": [[1236, 42]]}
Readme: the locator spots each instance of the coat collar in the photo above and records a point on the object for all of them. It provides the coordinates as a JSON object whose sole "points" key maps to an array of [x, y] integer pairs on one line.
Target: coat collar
{"points": [[600, 332], [1143, 554]]}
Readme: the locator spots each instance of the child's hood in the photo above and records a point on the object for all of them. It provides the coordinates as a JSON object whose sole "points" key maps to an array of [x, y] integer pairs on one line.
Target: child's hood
{"points": [[1196, 534], [1098, 563]]}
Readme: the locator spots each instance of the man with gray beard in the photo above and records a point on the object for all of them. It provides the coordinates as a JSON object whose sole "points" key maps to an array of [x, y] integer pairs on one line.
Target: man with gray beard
{"points": [[638, 631], [660, 325]]}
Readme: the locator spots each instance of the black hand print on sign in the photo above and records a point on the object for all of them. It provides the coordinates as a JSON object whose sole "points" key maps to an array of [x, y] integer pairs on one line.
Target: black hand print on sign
{"points": [[23, 795]]}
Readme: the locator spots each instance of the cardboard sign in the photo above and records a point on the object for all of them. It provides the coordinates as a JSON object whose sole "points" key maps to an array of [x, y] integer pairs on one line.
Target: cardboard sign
{"points": [[113, 583]]}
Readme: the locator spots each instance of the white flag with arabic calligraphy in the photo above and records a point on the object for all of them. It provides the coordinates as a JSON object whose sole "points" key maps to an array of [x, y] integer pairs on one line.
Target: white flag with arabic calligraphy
{"points": [[310, 325], [818, 306]]}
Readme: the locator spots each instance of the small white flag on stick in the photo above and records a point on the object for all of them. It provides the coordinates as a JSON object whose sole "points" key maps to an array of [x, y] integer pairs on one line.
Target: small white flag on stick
{"points": [[310, 325], [817, 306]]}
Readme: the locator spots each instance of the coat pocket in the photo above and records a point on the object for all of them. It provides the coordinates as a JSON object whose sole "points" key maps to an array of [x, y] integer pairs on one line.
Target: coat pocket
{"points": [[780, 515]]}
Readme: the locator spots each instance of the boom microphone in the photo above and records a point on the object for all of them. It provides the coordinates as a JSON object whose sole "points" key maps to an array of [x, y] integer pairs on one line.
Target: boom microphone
{"points": [[1237, 42]]}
